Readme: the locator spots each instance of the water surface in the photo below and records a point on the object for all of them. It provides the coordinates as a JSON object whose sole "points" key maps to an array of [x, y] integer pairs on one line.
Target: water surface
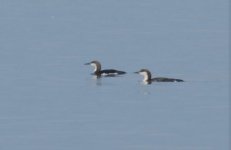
{"points": [[49, 99]]}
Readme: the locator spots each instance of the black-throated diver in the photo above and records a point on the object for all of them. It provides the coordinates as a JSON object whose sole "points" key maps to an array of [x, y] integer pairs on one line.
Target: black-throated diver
{"points": [[148, 77], [107, 72]]}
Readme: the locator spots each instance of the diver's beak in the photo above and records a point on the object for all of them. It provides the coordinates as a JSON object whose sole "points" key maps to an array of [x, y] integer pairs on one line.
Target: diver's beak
{"points": [[137, 72], [87, 63]]}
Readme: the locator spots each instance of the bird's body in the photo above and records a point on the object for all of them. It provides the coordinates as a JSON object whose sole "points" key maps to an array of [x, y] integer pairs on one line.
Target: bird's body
{"points": [[148, 77], [109, 72], [106, 72], [163, 79]]}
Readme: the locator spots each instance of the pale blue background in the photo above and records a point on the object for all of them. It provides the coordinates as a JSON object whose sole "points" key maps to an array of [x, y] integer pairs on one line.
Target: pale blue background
{"points": [[49, 100]]}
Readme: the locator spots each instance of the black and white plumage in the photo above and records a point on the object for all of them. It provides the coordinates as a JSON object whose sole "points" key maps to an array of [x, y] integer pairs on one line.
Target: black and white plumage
{"points": [[107, 72], [148, 77]]}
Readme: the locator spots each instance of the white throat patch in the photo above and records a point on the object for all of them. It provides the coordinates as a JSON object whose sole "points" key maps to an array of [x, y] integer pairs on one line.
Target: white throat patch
{"points": [[145, 75], [94, 65]]}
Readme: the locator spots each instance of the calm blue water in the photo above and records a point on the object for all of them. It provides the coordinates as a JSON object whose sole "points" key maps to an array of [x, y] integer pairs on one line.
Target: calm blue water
{"points": [[49, 100]]}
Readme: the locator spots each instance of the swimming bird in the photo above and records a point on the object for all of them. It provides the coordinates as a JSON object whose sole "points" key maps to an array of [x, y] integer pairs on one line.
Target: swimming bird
{"points": [[107, 72], [148, 77]]}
